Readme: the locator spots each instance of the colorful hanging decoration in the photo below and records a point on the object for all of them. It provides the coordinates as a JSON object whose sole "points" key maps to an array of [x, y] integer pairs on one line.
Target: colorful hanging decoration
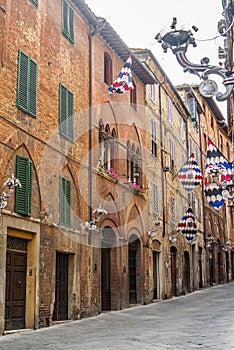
{"points": [[217, 173], [190, 174], [123, 81], [187, 225]]}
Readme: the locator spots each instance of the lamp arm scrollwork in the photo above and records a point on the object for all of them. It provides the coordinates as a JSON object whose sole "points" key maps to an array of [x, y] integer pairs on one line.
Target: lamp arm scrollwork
{"points": [[178, 41]]}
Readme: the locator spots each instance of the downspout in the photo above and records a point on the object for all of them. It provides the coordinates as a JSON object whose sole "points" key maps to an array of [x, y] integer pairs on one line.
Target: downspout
{"points": [[162, 157], [99, 25]]}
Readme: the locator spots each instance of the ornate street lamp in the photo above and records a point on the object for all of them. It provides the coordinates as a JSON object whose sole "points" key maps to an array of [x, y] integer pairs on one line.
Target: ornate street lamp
{"points": [[178, 41]]}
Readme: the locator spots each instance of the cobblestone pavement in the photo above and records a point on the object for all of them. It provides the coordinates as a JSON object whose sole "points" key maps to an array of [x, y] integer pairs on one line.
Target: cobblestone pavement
{"points": [[200, 320]]}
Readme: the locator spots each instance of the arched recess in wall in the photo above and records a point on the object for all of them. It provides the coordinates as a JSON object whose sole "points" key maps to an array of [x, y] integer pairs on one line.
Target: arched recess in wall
{"points": [[109, 114], [113, 212], [134, 220]]}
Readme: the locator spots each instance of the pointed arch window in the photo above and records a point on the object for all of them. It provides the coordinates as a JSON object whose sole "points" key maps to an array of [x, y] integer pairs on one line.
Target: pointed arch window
{"points": [[107, 147], [133, 164]]}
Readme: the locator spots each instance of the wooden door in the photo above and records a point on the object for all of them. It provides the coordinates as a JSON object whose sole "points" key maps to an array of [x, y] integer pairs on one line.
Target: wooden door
{"points": [[106, 286], [155, 274], [186, 276], [173, 273], [15, 297], [132, 273], [61, 288]]}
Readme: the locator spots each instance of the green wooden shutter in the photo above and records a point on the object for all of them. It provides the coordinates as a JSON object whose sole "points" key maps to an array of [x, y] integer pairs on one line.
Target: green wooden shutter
{"points": [[23, 195], [65, 202], [67, 21], [35, 2], [65, 18], [63, 110], [27, 84], [70, 111], [71, 24], [66, 112], [32, 93], [22, 95]]}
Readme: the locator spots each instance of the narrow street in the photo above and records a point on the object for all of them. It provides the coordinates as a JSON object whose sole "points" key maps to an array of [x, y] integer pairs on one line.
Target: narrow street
{"points": [[200, 320]]}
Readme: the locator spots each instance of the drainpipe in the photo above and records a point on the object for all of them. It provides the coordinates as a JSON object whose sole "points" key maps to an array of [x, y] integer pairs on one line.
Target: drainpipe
{"points": [[162, 156], [99, 26]]}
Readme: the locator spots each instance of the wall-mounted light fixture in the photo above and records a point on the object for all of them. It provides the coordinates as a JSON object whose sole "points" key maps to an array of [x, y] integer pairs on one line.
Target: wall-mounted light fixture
{"points": [[92, 225], [210, 241], [153, 231], [173, 238], [10, 185]]}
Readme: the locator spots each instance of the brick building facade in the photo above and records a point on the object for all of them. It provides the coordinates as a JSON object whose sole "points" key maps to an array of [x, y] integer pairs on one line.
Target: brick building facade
{"points": [[80, 152]]}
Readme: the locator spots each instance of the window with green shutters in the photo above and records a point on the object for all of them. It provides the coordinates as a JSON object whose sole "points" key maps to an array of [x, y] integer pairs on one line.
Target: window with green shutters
{"points": [[67, 21], [66, 113], [35, 2], [23, 194], [27, 84], [64, 201]]}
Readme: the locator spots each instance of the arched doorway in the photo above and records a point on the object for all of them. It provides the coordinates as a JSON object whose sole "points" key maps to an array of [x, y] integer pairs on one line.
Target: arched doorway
{"points": [[211, 267], [200, 267], [186, 273], [134, 269], [219, 257], [107, 264], [227, 266], [156, 261], [232, 264], [173, 271]]}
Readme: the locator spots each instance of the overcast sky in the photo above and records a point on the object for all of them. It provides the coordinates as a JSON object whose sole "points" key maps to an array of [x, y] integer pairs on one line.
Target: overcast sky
{"points": [[138, 21]]}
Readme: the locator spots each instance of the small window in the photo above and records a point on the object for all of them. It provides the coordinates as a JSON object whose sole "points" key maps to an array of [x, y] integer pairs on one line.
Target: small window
{"points": [[190, 146], [66, 113], [23, 194], [199, 211], [197, 155], [172, 202], [171, 155], [192, 107], [153, 138], [64, 202], [182, 128], [155, 199], [152, 92], [107, 69], [133, 96], [169, 109], [228, 150], [27, 84], [34, 2], [67, 21], [221, 143]]}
